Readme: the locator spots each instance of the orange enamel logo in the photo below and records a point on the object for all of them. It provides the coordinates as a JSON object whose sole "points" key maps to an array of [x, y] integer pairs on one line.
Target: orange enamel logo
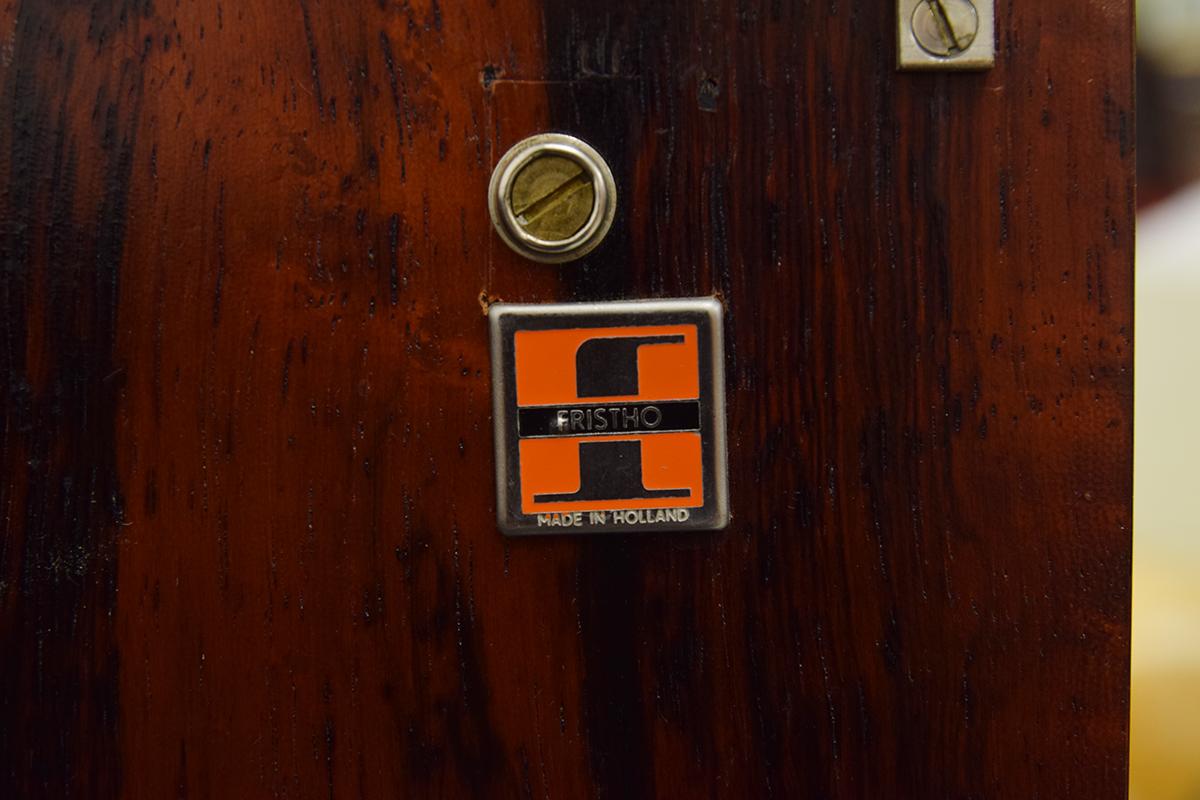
{"points": [[618, 459], [608, 416]]}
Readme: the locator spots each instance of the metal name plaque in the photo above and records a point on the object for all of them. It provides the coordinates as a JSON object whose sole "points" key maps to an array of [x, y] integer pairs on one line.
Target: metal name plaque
{"points": [[609, 416]]}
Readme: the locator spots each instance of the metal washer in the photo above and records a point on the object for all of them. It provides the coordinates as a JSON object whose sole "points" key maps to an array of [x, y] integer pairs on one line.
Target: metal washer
{"points": [[604, 206]]}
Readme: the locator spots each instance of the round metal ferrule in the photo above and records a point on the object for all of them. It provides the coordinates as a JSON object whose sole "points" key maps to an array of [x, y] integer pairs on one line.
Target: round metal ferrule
{"points": [[552, 198]]}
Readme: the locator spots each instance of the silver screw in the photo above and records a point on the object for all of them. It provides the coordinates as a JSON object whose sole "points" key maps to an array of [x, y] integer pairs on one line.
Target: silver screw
{"points": [[945, 28]]}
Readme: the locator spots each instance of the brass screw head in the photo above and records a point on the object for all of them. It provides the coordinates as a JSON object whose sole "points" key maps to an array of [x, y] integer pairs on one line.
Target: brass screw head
{"points": [[945, 28], [552, 198]]}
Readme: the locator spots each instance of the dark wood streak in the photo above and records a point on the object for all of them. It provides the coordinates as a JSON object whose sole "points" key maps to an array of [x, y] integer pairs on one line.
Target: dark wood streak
{"points": [[248, 542], [65, 218]]}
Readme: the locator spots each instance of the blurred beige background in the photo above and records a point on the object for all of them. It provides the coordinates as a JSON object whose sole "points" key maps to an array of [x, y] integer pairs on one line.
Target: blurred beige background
{"points": [[1165, 752], [1165, 735]]}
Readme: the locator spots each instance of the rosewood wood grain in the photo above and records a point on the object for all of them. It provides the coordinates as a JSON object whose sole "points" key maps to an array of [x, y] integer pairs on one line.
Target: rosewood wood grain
{"points": [[249, 547]]}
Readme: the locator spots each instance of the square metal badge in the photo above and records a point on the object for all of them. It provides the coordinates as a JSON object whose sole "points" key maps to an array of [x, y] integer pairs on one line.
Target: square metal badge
{"points": [[609, 416]]}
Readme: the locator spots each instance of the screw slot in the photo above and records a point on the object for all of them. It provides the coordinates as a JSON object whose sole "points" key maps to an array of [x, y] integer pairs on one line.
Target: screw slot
{"points": [[552, 198]]}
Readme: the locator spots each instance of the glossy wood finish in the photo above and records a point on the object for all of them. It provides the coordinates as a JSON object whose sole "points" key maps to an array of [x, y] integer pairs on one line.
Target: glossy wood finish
{"points": [[249, 547]]}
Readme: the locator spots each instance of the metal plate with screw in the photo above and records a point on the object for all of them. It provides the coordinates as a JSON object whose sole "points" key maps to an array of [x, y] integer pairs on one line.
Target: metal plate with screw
{"points": [[552, 198], [946, 34]]}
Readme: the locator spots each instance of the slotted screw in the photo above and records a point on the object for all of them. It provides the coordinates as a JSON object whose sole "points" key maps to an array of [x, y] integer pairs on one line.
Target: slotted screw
{"points": [[945, 28], [552, 197]]}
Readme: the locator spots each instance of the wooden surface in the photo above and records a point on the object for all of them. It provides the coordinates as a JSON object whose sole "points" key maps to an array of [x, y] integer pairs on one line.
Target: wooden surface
{"points": [[249, 547]]}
